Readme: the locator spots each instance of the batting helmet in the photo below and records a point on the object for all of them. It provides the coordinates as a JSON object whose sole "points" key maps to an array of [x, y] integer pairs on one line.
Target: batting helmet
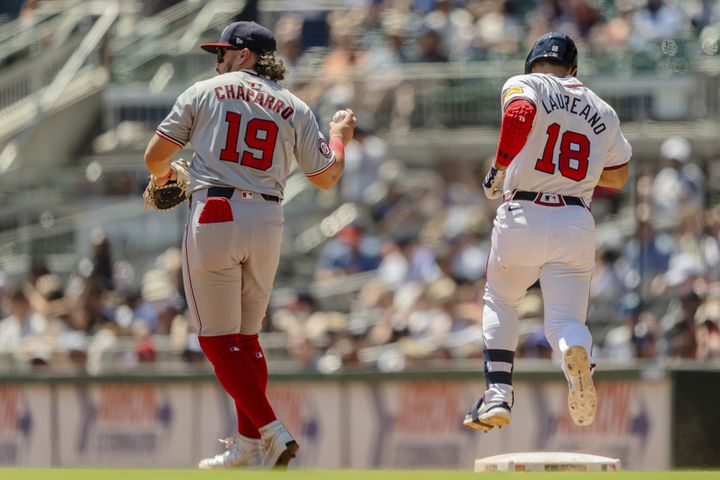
{"points": [[555, 46]]}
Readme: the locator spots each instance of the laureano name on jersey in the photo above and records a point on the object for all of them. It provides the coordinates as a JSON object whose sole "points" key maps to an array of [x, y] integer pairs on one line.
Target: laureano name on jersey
{"points": [[576, 106]]}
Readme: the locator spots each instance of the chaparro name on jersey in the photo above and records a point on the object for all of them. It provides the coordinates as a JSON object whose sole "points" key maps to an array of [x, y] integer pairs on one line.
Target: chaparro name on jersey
{"points": [[574, 105], [267, 101]]}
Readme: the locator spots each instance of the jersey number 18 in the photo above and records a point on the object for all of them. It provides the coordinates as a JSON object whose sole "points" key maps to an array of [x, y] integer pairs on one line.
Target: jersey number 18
{"points": [[573, 146], [259, 135]]}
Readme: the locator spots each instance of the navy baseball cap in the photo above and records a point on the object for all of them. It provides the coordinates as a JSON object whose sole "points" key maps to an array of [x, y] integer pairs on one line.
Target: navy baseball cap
{"points": [[240, 35]]}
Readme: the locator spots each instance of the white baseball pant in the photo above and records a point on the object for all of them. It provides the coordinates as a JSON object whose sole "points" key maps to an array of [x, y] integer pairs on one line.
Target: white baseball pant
{"points": [[555, 244]]}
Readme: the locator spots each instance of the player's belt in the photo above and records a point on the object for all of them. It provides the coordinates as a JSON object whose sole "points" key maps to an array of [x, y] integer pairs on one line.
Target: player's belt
{"points": [[227, 192], [546, 199]]}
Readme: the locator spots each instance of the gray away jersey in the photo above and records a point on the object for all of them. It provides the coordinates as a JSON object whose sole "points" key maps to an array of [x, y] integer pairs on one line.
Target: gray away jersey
{"points": [[245, 130]]}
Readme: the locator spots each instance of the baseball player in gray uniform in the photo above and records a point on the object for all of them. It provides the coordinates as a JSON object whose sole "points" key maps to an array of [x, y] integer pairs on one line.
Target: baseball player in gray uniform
{"points": [[246, 131], [558, 141]]}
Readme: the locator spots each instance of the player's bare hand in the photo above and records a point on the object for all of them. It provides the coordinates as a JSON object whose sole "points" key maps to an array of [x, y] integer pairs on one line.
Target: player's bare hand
{"points": [[343, 126], [162, 181]]}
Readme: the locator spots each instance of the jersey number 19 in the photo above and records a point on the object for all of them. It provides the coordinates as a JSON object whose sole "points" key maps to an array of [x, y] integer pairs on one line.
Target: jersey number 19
{"points": [[573, 146], [259, 135]]}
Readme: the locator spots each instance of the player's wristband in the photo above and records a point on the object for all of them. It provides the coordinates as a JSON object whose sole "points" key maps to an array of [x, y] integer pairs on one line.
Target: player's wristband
{"points": [[337, 145]]}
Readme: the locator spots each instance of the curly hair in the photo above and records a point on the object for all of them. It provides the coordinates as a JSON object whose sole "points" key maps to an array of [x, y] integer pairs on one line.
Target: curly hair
{"points": [[269, 66]]}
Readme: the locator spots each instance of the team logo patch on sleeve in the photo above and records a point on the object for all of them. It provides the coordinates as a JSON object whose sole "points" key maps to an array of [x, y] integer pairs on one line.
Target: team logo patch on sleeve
{"points": [[511, 91], [324, 148]]}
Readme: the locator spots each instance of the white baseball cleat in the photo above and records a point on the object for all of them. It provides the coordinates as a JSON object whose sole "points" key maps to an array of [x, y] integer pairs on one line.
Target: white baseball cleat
{"points": [[240, 452], [485, 417], [582, 398], [278, 446]]}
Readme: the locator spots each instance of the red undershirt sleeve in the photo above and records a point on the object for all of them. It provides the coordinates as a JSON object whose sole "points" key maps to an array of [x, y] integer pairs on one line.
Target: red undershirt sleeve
{"points": [[516, 125]]}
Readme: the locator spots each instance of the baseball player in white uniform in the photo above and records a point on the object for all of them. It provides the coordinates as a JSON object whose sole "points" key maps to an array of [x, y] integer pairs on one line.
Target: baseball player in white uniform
{"points": [[558, 141], [246, 131]]}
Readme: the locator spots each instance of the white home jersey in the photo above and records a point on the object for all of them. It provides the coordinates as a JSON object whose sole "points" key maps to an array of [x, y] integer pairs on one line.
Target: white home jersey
{"points": [[262, 128], [576, 135]]}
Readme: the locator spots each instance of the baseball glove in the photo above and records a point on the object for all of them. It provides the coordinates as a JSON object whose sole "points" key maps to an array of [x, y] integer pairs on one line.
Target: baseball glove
{"points": [[172, 194]]}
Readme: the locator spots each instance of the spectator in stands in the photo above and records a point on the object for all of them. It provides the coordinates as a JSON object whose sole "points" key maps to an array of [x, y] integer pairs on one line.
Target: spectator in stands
{"points": [[407, 262], [391, 51], [656, 21], [88, 312], [647, 255], [335, 82], [687, 233], [430, 46], [469, 257], [159, 293], [366, 153], [73, 347], [707, 319], [330, 333], [636, 337], [38, 268], [316, 29], [612, 35], [680, 340], [374, 306], [702, 13], [101, 268], [288, 32], [47, 297], [683, 275], [453, 25], [294, 314], [352, 251], [573, 17], [22, 326], [465, 337], [410, 202], [606, 283], [680, 183], [393, 197], [498, 30], [430, 320], [128, 308]]}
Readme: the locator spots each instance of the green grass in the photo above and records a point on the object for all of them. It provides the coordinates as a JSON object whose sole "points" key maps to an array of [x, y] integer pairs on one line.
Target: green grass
{"points": [[111, 474]]}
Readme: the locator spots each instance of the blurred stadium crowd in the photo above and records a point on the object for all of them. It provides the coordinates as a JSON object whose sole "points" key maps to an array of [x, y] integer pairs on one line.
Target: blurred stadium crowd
{"points": [[381, 33], [418, 247], [379, 37]]}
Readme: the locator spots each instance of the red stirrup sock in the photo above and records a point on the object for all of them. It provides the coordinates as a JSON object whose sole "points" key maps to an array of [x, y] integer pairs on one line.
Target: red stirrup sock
{"points": [[250, 345], [237, 375], [246, 427]]}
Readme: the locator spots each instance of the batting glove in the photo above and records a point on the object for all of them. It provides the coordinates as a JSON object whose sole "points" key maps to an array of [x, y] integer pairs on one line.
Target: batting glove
{"points": [[493, 183]]}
